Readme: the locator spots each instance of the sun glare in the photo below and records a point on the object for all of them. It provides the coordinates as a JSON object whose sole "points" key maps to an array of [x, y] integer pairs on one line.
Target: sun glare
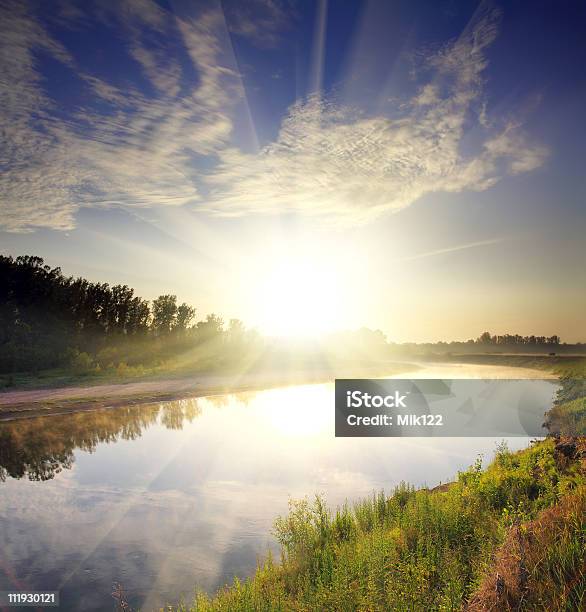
{"points": [[301, 298]]}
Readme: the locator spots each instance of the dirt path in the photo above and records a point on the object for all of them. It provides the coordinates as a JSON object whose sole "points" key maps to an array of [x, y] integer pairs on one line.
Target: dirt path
{"points": [[12, 398]]}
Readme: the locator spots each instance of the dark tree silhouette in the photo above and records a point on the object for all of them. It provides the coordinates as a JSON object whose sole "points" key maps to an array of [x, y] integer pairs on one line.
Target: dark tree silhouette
{"points": [[49, 320]]}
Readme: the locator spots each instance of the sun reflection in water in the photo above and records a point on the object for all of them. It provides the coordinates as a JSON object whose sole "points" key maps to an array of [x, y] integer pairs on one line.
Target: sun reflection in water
{"points": [[305, 411]]}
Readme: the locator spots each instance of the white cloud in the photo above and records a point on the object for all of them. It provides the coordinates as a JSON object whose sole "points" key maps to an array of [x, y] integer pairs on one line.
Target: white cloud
{"points": [[427, 96], [137, 148], [261, 21], [335, 162], [33, 191]]}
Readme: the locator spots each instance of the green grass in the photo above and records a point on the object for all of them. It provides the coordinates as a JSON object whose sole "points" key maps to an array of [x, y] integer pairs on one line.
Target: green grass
{"points": [[420, 550], [95, 376], [567, 417], [60, 377], [177, 368]]}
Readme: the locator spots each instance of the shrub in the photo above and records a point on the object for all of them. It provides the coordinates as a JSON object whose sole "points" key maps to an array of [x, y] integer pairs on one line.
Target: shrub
{"points": [[81, 363]]}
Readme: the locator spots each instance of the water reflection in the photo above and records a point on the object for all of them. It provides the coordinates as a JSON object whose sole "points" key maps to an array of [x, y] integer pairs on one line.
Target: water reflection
{"points": [[39, 448]]}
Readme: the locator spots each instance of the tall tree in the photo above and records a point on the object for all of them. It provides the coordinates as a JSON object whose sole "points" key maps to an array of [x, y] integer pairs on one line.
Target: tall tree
{"points": [[185, 316], [164, 314]]}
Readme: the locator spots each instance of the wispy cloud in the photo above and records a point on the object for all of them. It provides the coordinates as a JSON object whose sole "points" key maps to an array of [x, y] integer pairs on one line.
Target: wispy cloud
{"points": [[133, 148], [140, 145], [333, 161], [452, 249], [261, 21]]}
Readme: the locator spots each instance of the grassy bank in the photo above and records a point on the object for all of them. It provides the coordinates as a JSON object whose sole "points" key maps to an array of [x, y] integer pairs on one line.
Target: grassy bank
{"points": [[508, 537], [567, 416], [323, 369], [120, 393], [559, 364]]}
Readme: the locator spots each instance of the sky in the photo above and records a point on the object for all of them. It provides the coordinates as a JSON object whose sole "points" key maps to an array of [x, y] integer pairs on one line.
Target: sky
{"points": [[306, 166]]}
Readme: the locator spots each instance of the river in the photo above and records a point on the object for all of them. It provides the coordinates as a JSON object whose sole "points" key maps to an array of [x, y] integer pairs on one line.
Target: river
{"points": [[163, 497]]}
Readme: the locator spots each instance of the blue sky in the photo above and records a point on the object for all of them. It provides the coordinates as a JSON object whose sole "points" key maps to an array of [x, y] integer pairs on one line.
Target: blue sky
{"points": [[413, 166]]}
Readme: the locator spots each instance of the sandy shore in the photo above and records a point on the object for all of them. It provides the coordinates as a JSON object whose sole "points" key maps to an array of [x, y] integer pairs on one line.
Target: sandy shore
{"points": [[25, 403]]}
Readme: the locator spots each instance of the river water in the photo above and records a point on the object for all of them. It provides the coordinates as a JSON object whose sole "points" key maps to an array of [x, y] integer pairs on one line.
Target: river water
{"points": [[165, 497]]}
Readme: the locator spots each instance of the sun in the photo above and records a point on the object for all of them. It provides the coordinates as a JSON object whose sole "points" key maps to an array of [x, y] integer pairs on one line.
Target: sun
{"points": [[301, 298]]}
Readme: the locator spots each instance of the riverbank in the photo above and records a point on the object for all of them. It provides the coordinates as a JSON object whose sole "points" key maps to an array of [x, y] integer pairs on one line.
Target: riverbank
{"points": [[73, 397], [556, 364], [32, 402], [508, 537]]}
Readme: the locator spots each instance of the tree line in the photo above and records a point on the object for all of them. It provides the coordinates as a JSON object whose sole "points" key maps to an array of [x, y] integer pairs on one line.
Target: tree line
{"points": [[509, 339], [48, 320]]}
